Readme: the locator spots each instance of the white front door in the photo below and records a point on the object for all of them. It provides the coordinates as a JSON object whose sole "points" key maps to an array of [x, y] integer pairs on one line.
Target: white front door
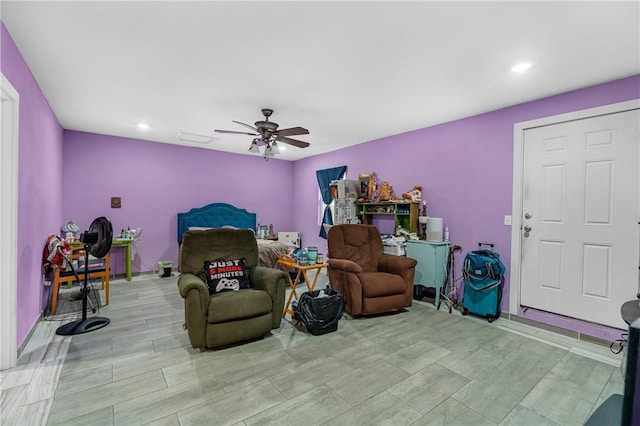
{"points": [[580, 238], [9, 122]]}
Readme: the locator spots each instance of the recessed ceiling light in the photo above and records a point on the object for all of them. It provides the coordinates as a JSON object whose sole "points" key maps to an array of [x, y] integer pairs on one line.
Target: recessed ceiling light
{"points": [[143, 126], [521, 67]]}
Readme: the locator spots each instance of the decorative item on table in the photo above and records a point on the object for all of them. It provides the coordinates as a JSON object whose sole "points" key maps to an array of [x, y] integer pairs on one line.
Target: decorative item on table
{"points": [[262, 233], [312, 254], [272, 234], [319, 259], [303, 257], [69, 229], [128, 234]]}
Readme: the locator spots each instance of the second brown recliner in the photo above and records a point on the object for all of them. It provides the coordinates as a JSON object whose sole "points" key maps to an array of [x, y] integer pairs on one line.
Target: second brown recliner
{"points": [[372, 282]]}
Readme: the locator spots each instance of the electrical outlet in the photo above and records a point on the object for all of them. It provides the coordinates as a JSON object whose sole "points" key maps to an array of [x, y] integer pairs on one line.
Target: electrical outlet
{"points": [[507, 220]]}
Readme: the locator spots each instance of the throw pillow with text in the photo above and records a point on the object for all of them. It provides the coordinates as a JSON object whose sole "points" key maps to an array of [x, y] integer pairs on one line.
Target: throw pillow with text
{"points": [[226, 275]]}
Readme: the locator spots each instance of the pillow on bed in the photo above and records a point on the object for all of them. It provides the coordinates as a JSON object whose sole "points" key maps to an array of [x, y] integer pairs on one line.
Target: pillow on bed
{"points": [[198, 228], [235, 227], [226, 275]]}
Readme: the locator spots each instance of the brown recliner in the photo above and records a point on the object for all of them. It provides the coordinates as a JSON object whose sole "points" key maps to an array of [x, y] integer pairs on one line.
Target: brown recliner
{"points": [[231, 316], [372, 282]]}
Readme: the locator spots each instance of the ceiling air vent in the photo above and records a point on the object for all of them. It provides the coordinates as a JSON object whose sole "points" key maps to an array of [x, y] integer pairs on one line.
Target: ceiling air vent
{"points": [[194, 137]]}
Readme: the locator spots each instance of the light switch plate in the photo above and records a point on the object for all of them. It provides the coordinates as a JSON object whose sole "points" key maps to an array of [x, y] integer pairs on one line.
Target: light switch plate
{"points": [[507, 220]]}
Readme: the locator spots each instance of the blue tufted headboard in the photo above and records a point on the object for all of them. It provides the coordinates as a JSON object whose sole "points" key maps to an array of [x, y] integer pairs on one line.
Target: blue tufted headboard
{"points": [[215, 215]]}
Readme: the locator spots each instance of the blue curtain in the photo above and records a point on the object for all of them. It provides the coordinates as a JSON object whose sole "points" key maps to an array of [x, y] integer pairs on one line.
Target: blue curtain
{"points": [[325, 177]]}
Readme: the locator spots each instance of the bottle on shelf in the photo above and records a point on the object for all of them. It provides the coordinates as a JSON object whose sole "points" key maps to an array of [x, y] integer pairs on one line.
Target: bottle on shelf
{"points": [[446, 233]]}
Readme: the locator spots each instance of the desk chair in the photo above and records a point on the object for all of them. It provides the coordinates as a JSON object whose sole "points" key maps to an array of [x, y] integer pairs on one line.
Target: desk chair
{"points": [[98, 268]]}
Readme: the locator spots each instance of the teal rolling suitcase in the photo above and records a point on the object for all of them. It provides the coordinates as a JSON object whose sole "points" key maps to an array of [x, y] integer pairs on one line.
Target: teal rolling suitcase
{"points": [[483, 273], [483, 300]]}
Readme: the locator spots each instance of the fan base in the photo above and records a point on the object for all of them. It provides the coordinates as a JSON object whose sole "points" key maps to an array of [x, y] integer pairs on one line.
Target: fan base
{"points": [[82, 326]]}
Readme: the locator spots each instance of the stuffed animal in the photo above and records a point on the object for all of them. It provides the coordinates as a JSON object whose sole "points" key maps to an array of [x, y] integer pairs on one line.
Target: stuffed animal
{"points": [[414, 195]]}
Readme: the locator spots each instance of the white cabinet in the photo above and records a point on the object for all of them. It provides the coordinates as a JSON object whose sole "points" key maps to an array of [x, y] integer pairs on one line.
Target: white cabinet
{"points": [[431, 270]]}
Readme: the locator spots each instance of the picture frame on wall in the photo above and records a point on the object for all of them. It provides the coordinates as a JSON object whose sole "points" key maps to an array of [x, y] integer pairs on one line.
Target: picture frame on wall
{"points": [[366, 186]]}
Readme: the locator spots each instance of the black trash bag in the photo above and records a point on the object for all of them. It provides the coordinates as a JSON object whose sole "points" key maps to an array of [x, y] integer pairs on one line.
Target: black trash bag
{"points": [[320, 310]]}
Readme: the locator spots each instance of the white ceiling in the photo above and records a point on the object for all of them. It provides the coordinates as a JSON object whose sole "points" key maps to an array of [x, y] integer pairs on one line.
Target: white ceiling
{"points": [[350, 72]]}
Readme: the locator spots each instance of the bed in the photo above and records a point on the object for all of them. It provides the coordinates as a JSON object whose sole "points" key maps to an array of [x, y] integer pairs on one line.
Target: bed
{"points": [[219, 215]]}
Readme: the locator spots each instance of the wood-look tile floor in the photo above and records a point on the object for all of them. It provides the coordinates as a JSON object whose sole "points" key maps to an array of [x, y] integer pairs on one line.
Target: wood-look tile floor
{"points": [[418, 367]]}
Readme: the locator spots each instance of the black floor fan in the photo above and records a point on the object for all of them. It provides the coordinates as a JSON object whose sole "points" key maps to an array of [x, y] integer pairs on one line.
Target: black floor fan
{"points": [[97, 241]]}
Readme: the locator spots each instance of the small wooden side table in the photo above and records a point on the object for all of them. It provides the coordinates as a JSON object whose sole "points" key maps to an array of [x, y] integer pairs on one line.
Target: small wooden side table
{"points": [[301, 271]]}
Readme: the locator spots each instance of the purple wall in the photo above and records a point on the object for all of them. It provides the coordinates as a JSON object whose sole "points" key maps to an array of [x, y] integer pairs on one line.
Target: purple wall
{"points": [[465, 170], [39, 183], [156, 181]]}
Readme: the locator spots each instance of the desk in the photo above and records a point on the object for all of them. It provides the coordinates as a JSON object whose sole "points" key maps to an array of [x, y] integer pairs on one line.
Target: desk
{"points": [[126, 243], [301, 271], [117, 242]]}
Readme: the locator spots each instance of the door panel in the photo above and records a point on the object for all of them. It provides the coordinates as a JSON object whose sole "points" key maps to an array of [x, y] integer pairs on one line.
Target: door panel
{"points": [[581, 189], [596, 271], [551, 262]]}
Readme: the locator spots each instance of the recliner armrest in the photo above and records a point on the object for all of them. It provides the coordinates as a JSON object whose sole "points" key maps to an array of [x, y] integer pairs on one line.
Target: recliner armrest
{"points": [[196, 305], [396, 264], [268, 279], [188, 282], [274, 282], [345, 265]]}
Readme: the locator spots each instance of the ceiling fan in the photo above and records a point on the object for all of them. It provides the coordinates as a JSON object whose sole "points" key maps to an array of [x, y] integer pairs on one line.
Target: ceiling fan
{"points": [[267, 132]]}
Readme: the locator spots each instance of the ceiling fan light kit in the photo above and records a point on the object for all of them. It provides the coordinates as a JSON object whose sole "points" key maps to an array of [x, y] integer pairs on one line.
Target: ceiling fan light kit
{"points": [[254, 146], [268, 133]]}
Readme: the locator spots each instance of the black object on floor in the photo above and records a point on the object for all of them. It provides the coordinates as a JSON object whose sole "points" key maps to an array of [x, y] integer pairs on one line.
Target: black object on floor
{"points": [[623, 409], [320, 310]]}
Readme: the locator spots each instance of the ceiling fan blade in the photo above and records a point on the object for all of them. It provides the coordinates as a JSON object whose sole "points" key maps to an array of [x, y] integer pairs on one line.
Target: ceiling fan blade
{"points": [[294, 142], [245, 125], [235, 133], [293, 131]]}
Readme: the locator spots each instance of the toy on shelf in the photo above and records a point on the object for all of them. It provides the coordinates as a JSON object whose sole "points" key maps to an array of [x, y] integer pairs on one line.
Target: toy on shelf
{"points": [[386, 192], [414, 195]]}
